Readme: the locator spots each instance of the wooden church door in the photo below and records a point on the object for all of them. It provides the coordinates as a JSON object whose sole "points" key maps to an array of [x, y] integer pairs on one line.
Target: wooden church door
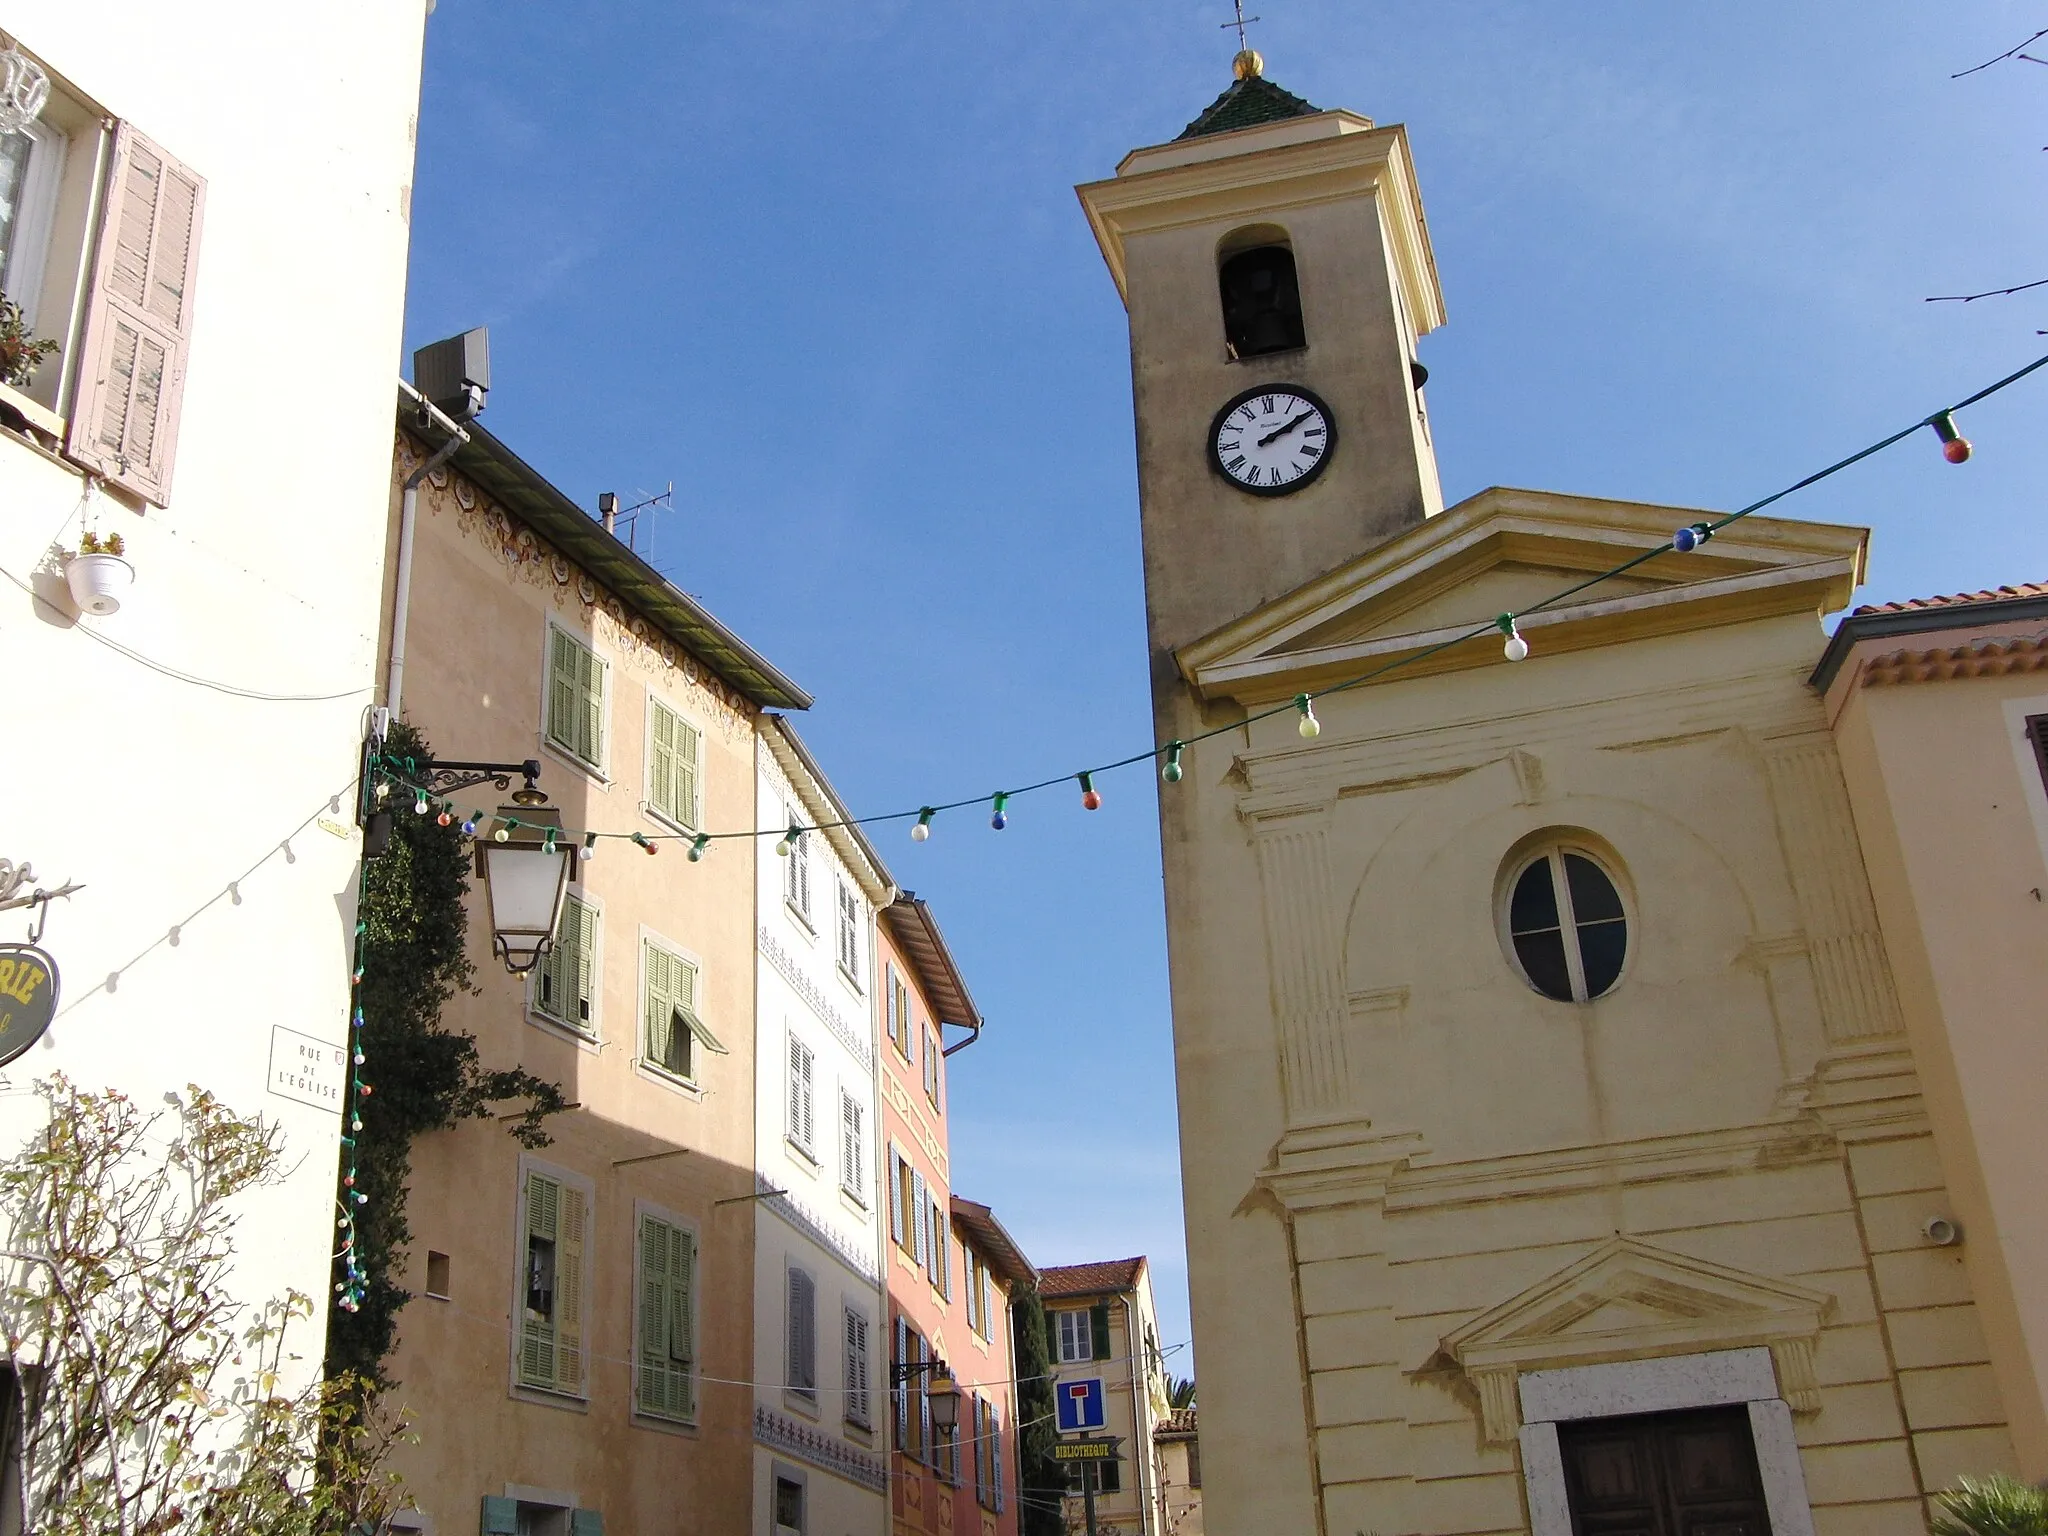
{"points": [[1664, 1474]]}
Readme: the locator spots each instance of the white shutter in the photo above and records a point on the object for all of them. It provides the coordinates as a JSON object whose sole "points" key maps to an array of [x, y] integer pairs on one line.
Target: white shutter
{"points": [[920, 1205], [895, 1196], [138, 321]]}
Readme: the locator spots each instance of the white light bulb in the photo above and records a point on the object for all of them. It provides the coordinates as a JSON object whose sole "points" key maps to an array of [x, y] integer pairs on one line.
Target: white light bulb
{"points": [[1517, 649]]}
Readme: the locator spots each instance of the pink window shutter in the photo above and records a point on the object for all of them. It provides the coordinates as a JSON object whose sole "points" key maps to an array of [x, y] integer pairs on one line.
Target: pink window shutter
{"points": [[138, 325]]}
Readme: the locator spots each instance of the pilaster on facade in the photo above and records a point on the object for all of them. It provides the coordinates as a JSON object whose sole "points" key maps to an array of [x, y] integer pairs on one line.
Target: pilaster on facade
{"points": [[1851, 976], [1305, 958]]}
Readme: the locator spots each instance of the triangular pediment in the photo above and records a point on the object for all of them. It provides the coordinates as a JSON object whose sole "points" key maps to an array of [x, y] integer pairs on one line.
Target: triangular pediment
{"points": [[1506, 551], [1632, 1300]]}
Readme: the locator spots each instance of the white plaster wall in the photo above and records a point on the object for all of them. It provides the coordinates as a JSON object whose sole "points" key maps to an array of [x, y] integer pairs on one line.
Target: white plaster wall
{"points": [[265, 571]]}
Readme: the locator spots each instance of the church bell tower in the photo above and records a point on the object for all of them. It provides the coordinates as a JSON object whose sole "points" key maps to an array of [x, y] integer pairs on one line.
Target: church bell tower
{"points": [[1277, 271]]}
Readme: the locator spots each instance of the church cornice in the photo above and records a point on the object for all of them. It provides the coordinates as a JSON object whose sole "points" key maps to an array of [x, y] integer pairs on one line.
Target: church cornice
{"points": [[1350, 622]]}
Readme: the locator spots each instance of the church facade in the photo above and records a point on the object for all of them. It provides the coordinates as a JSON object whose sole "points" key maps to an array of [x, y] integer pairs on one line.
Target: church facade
{"points": [[1554, 1154]]}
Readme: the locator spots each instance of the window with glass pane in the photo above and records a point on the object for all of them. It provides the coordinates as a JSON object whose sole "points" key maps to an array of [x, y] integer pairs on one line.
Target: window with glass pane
{"points": [[670, 1002], [563, 981], [1567, 925], [575, 698], [673, 754]]}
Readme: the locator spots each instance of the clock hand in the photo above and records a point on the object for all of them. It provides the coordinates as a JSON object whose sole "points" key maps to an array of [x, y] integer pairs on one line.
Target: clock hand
{"points": [[1279, 432]]}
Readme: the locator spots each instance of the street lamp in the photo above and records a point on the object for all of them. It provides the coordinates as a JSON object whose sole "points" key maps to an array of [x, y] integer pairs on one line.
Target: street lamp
{"points": [[524, 865], [942, 1392], [521, 855]]}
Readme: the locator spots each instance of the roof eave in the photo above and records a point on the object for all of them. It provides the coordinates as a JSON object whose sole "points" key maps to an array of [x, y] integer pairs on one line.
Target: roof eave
{"points": [[1918, 621], [999, 1247], [837, 823], [495, 468], [917, 934]]}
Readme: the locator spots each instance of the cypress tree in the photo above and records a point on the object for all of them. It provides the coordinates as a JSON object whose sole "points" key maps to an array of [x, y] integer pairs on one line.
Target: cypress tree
{"points": [[1043, 1482]]}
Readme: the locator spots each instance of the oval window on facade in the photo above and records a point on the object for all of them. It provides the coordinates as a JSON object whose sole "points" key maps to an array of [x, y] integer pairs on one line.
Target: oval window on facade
{"points": [[1566, 924]]}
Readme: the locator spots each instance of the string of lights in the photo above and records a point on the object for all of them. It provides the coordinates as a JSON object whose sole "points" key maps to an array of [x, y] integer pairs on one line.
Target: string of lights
{"points": [[403, 775], [351, 1286]]}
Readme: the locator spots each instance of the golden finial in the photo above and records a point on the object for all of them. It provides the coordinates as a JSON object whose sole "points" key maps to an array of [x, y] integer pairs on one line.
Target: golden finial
{"points": [[1248, 64]]}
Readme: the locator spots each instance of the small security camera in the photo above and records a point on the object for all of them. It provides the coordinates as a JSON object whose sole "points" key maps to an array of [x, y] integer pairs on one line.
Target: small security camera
{"points": [[1942, 1232]]}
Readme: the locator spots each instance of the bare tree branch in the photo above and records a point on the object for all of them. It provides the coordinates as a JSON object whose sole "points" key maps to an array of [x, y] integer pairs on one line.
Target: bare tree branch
{"points": [[1994, 293], [2011, 53]]}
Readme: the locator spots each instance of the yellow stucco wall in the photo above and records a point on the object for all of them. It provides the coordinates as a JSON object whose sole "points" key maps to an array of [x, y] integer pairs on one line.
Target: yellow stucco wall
{"points": [[1948, 798], [1393, 1146]]}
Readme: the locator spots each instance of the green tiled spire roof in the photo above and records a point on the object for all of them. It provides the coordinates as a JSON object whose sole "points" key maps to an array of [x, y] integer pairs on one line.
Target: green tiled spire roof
{"points": [[1252, 99]]}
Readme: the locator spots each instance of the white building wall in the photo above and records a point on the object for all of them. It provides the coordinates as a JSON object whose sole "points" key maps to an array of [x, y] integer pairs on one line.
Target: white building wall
{"points": [[817, 1222], [219, 865]]}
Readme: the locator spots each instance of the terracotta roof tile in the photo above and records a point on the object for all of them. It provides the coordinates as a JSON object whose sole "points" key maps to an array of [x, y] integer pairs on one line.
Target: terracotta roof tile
{"points": [[1995, 595], [1178, 1423], [1089, 1279]]}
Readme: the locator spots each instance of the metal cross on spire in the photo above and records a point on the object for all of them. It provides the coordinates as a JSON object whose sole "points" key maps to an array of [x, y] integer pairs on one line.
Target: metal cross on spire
{"points": [[1241, 23]]}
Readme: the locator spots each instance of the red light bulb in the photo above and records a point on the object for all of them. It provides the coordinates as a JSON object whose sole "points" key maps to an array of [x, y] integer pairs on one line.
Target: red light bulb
{"points": [[1956, 449], [1091, 797], [1954, 446]]}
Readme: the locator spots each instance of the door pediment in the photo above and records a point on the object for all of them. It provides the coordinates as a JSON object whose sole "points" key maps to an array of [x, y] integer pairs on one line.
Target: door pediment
{"points": [[1502, 551], [1630, 1300]]}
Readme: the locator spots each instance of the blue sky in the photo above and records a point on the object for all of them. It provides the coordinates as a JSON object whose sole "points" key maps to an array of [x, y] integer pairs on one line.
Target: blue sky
{"points": [[822, 266]]}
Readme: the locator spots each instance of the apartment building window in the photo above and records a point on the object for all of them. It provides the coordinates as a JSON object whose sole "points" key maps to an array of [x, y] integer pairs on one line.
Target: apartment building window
{"points": [[853, 1146], [988, 1455], [859, 1403], [796, 869], [789, 1503], [802, 1129], [941, 1252], [564, 981], [671, 1032], [1082, 1335], [674, 766], [126, 284], [1110, 1481], [912, 1396], [899, 1015], [552, 1216], [980, 1285], [801, 1345], [576, 689], [665, 1378], [933, 1055], [849, 933]]}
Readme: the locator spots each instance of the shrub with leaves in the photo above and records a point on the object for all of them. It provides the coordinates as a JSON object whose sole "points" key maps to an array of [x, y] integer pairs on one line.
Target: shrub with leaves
{"points": [[415, 959], [153, 1399], [1998, 1505], [1043, 1491], [21, 354]]}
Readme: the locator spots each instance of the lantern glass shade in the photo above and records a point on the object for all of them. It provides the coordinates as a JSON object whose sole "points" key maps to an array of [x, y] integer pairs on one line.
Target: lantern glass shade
{"points": [[525, 882], [944, 1392]]}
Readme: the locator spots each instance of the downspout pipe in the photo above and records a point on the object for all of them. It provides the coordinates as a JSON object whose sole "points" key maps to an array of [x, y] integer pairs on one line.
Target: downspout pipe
{"points": [[408, 515]]}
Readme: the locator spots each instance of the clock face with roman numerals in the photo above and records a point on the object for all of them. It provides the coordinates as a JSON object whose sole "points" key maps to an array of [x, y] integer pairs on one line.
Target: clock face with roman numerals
{"points": [[1272, 439]]}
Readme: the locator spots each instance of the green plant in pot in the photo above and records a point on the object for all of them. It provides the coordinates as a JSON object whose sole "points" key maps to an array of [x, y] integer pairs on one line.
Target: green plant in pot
{"points": [[97, 575], [21, 353]]}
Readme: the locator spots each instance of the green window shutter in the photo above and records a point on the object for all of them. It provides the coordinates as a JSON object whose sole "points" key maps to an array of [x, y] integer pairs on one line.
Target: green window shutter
{"points": [[590, 718], [667, 1260], [586, 1522], [661, 760], [569, 1292], [501, 1517], [1098, 1323], [1052, 1336], [537, 1336], [689, 751], [566, 973], [561, 690], [671, 985]]}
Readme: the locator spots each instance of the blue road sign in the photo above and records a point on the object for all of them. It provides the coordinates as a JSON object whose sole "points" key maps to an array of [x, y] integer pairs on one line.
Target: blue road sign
{"points": [[1081, 1404]]}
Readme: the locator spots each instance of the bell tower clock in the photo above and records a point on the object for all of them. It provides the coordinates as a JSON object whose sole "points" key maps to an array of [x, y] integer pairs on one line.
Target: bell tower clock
{"points": [[1276, 269]]}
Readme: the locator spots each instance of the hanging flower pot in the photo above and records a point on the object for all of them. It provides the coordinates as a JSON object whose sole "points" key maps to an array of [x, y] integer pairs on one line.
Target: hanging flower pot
{"points": [[98, 575]]}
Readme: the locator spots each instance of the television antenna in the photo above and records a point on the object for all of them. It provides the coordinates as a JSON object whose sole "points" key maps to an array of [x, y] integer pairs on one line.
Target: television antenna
{"points": [[613, 514]]}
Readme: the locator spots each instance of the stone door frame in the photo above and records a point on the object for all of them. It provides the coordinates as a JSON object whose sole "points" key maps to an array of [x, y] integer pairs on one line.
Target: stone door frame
{"points": [[1717, 1379]]}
